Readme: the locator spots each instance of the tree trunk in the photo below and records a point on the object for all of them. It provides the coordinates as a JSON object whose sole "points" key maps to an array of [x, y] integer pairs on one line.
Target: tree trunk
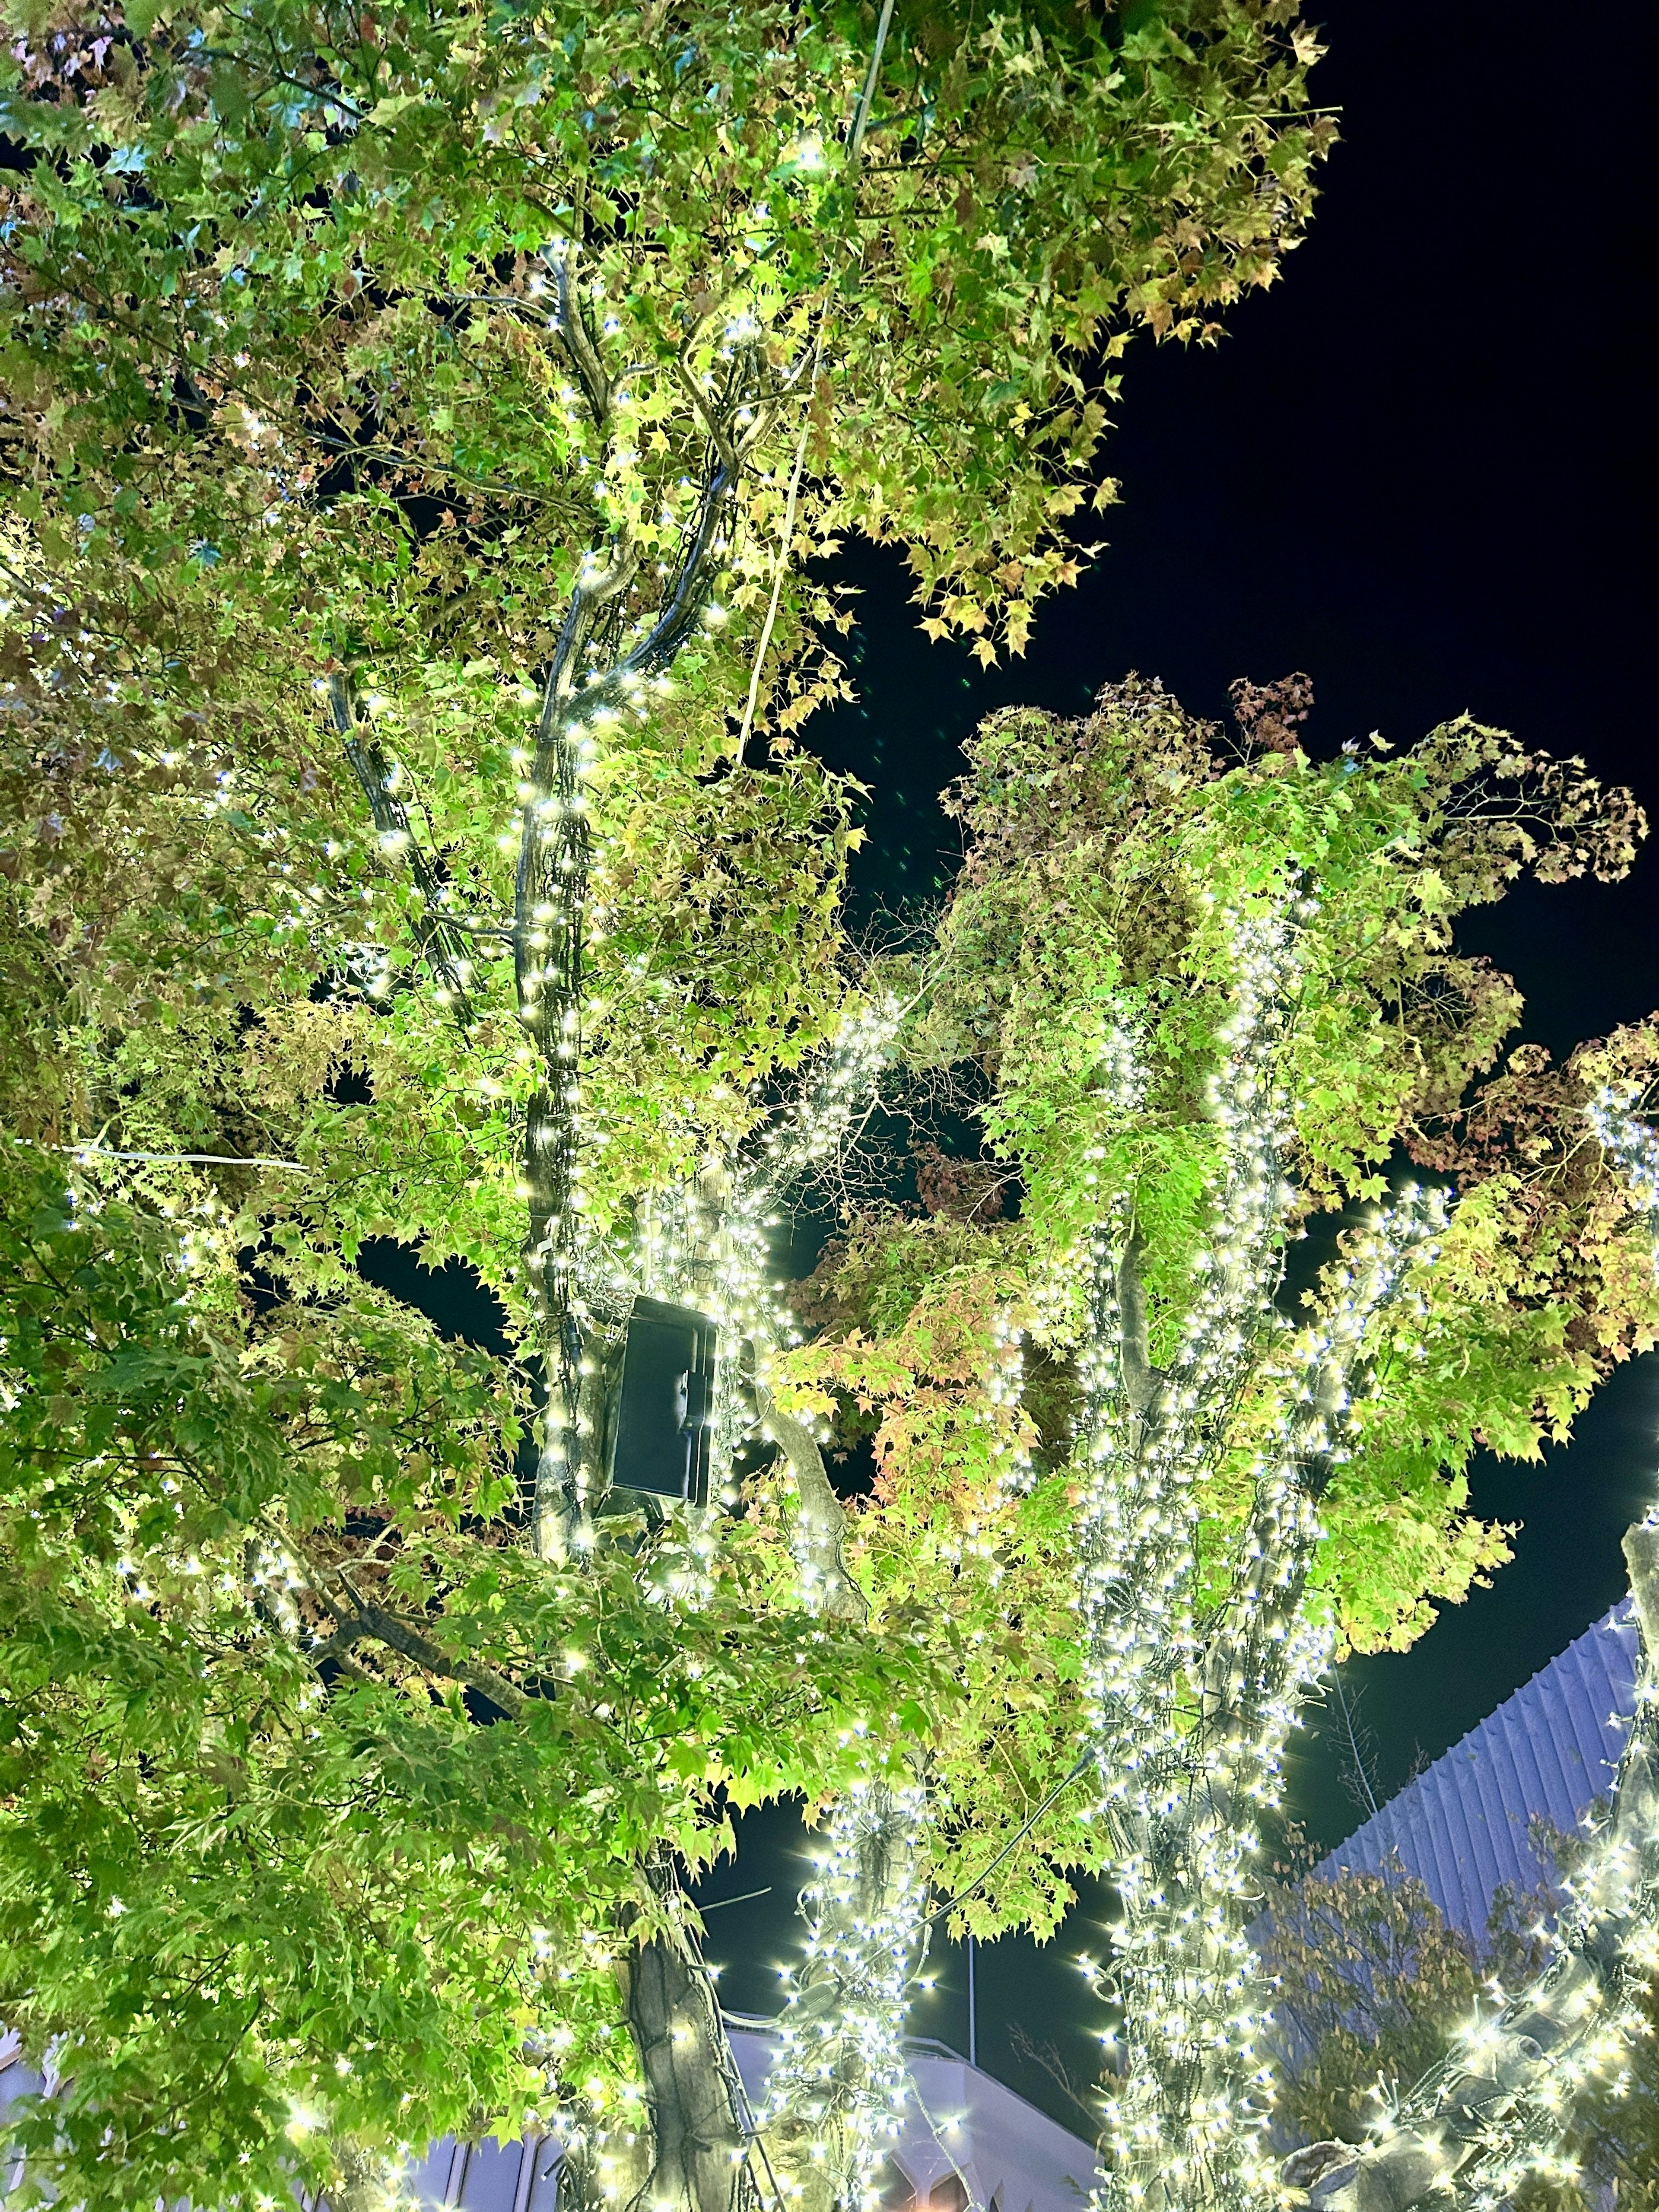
{"points": [[834, 2096], [826, 1585], [696, 2103]]}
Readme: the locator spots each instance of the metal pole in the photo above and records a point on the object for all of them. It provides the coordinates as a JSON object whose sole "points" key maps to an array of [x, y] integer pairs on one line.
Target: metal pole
{"points": [[973, 2025]]}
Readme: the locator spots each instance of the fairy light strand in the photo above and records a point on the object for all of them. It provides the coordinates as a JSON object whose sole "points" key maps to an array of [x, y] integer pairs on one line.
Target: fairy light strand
{"points": [[840, 2074], [1186, 1719]]}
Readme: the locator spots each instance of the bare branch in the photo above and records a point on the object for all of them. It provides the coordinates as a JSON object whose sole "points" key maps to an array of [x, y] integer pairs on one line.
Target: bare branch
{"points": [[378, 781]]}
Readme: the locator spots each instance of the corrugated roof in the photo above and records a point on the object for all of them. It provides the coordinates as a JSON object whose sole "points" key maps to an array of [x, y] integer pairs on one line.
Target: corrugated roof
{"points": [[1548, 1752]]}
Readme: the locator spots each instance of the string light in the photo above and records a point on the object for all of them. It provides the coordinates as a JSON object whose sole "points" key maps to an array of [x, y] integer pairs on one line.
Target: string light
{"points": [[840, 2072], [1187, 1718], [710, 1240]]}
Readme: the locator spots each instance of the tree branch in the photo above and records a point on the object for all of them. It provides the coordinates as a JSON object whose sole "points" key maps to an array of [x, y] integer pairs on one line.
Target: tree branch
{"points": [[390, 818], [361, 1620], [823, 1520], [568, 322], [1140, 1378], [373, 1623], [549, 911], [699, 2113]]}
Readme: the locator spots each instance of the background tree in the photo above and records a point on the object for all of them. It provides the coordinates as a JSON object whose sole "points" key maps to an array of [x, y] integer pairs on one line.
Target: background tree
{"points": [[1369, 1985], [1372, 1984]]}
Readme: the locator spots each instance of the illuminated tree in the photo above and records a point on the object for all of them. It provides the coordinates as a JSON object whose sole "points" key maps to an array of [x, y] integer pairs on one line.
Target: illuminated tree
{"points": [[415, 426], [270, 1533], [1208, 1005]]}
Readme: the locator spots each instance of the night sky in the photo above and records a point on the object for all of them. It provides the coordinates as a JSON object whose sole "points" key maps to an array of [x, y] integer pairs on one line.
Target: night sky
{"points": [[1420, 469]]}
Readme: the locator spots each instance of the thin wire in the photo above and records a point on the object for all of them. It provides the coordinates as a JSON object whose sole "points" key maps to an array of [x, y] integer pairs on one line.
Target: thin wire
{"points": [[862, 117], [1018, 1837], [786, 537], [757, 2144]]}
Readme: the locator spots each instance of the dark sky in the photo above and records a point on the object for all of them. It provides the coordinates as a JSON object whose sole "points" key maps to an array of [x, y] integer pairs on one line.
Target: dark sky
{"points": [[1421, 468]]}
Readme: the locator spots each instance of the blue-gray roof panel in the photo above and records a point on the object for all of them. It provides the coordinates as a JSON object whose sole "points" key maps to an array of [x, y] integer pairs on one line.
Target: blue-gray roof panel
{"points": [[1548, 1752]]}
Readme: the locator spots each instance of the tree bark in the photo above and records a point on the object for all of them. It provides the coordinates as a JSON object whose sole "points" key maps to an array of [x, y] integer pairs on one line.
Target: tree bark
{"points": [[700, 2140], [822, 1523]]}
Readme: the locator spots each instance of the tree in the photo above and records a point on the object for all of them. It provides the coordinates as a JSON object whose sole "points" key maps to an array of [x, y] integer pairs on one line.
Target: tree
{"points": [[416, 428], [356, 1733], [1372, 1984], [287, 291]]}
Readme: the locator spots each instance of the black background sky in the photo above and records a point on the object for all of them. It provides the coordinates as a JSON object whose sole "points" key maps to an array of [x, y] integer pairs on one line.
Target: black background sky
{"points": [[1421, 468]]}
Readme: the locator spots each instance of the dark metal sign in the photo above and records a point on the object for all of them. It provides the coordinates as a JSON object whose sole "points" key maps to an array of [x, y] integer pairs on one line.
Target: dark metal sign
{"points": [[660, 1443]]}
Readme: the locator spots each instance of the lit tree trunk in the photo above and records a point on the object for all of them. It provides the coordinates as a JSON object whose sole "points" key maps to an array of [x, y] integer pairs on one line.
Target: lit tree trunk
{"points": [[596, 677], [1145, 1440], [835, 2094], [1189, 1718], [579, 703], [1186, 2117], [699, 2133], [710, 1246]]}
